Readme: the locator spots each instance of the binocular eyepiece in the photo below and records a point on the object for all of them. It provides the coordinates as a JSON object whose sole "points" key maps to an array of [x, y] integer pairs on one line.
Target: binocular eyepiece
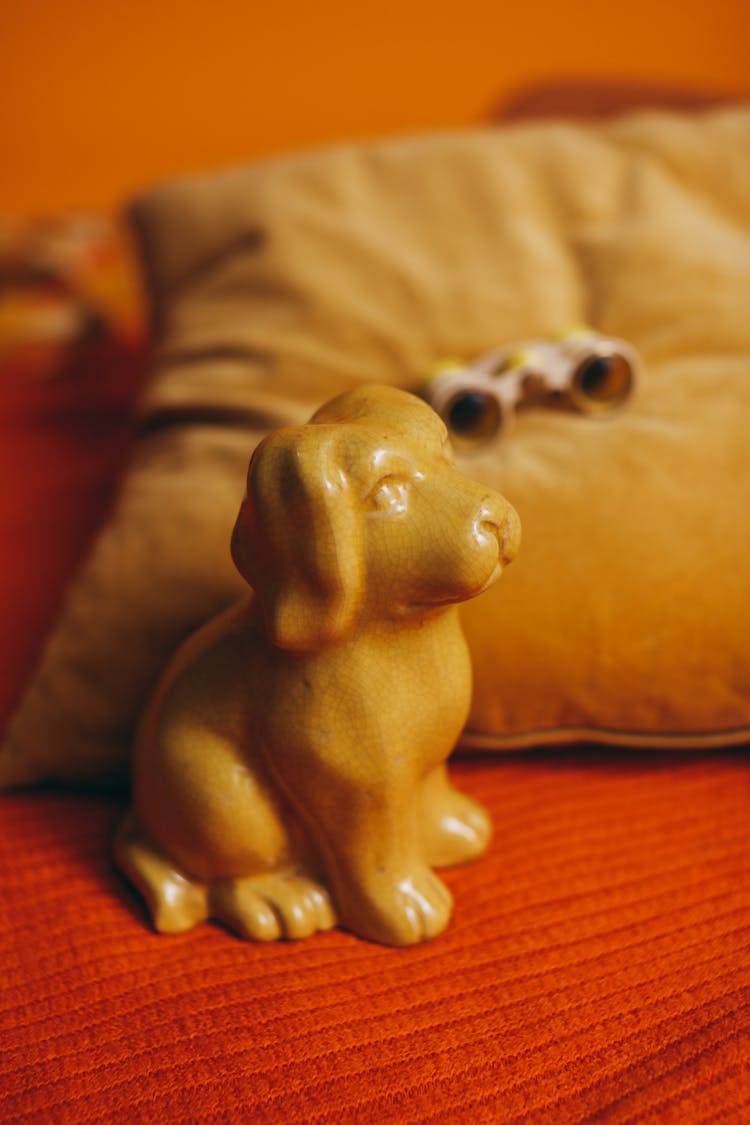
{"points": [[582, 370]]}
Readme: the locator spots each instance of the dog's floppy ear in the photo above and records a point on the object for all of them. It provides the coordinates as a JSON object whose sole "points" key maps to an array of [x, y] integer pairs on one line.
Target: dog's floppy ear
{"points": [[297, 539]]}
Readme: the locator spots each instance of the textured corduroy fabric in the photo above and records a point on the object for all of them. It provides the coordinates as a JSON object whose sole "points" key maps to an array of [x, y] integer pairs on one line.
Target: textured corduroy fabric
{"points": [[598, 967]]}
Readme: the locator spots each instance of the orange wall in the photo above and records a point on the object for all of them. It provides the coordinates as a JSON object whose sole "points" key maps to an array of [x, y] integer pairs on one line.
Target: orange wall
{"points": [[97, 100]]}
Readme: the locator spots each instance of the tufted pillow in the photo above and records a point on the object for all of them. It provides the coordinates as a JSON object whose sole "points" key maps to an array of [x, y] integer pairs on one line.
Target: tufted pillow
{"points": [[627, 615]]}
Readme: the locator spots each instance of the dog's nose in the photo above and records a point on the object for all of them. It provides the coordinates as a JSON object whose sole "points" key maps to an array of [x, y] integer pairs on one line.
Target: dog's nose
{"points": [[500, 518]]}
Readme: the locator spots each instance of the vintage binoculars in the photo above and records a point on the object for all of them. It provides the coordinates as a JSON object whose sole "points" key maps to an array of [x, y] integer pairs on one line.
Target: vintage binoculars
{"points": [[581, 370]]}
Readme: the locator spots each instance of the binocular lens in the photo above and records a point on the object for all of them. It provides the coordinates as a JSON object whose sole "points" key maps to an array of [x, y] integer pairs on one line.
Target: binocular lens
{"points": [[473, 416], [602, 380]]}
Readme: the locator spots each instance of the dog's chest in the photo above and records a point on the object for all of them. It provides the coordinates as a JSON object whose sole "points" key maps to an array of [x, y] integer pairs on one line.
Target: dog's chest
{"points": [[427, 687], [406, 694]]}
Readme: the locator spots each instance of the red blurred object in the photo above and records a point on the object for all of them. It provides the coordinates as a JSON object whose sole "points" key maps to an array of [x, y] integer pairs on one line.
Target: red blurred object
{"points": [[72, 346]]}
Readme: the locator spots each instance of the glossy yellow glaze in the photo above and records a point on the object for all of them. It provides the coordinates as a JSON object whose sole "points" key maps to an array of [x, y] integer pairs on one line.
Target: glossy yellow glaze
{"points": [[290, 771]]}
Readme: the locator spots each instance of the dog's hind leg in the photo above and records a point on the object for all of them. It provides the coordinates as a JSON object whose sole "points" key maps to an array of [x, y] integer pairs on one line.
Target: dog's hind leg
{"points": [[454, 827], [175, 901]]}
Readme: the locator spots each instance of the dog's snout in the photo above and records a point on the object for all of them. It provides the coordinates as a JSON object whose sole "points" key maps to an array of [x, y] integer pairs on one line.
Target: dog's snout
{"points": [[510, 542], [499, 518]]}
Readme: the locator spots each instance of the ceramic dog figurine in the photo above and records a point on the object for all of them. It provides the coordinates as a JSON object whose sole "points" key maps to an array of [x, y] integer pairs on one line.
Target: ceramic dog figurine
{"points": [[290, 772]]}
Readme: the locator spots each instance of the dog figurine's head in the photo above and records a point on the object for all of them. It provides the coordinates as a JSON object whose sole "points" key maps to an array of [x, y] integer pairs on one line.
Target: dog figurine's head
{"points": [[361, 515]]}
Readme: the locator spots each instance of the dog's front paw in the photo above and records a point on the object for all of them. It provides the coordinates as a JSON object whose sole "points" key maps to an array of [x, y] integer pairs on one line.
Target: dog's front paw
{"points": [[402, 911], [272, 906]]}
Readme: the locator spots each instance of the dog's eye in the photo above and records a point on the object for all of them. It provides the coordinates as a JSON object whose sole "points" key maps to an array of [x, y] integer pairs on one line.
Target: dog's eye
{"points": [[390, 495]]}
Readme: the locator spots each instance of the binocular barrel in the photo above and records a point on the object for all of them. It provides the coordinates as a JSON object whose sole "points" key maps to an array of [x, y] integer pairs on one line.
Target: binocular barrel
{"points": [[583, 371]]}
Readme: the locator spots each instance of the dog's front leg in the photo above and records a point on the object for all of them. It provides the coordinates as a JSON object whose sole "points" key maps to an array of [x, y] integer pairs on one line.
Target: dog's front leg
{"points": [[368, 838]]}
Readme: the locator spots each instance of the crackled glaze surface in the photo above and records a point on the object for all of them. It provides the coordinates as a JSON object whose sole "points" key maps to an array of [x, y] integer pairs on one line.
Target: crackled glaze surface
{"points": [[290, 771]]}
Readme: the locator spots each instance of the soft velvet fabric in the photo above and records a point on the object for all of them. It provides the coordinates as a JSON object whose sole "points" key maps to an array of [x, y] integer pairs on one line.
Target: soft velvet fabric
{"points": [[625, 619]]}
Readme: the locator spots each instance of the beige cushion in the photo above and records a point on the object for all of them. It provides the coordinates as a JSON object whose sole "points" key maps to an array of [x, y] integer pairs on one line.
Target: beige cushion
{"points": [[626, 617]]}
